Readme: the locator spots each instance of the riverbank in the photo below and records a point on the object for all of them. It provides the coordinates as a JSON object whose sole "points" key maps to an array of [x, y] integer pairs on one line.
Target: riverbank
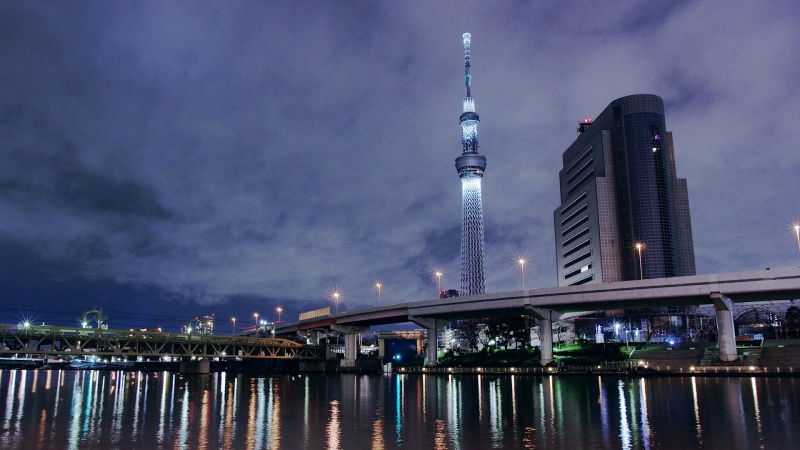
{"points": [[773, 358]]}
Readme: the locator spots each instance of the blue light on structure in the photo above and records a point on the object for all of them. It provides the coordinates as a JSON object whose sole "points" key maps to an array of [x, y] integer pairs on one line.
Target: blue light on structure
{"points": [[471, 166]]}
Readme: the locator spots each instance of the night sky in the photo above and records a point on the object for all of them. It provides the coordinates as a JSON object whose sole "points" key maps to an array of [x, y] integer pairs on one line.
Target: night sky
{"points": [[165, 159]]}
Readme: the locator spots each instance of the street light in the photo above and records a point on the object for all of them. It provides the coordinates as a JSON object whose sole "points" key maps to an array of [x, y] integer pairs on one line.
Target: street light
{"points": [[233, 319], [379, 286], [256, 316], [280, 310], [797, 232], [439, 277], [522, 266], [639, 247], [336, 301]]}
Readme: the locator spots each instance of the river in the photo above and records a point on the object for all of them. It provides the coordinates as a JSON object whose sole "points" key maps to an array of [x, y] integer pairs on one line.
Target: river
{"points": [[57, 409]]}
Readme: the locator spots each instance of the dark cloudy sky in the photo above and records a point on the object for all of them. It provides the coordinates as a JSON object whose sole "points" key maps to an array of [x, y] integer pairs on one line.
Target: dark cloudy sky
{"points": [[165, 159]]}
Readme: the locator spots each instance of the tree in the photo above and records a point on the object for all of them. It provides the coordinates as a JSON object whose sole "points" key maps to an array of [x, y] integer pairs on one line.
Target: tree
{"points": [[513, 330], [470, 331]]}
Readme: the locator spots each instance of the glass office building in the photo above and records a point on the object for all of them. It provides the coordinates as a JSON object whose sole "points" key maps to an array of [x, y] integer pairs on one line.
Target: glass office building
{"points": [[619, 188]]}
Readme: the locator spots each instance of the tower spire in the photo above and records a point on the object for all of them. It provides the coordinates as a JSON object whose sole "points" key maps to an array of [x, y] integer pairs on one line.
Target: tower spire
{"points": [[467, 69], [470, 166]]}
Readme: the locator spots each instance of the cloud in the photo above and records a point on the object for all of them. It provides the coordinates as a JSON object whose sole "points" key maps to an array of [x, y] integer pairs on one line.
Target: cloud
{"points": [[217, 154]]}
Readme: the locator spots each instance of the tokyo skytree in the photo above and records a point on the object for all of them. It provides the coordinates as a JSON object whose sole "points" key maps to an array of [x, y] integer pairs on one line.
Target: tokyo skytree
{"points": [[470, 166]]}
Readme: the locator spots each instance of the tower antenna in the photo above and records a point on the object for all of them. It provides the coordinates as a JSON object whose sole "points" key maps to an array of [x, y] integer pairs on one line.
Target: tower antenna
{"points": [[467, 69]]}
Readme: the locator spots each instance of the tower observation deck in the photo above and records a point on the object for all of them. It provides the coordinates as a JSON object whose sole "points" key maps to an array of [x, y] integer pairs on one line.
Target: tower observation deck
{"points": [[470, 166]]}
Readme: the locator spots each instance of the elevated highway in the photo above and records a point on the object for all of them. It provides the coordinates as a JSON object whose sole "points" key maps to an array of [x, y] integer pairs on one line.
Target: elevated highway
{"points": [[548, 304]]}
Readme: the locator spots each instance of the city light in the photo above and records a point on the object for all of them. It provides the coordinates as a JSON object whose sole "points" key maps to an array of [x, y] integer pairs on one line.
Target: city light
{"points": [[522, 267], [256, 316], [279, 310], [233, 319], [336, 301], [379, 286], [439, 284]]}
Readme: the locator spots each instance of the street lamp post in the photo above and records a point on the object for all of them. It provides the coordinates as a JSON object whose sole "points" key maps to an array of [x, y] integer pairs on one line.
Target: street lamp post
{"points": [[439, 284], [256, 316], [336, 301], [522, 267], [797, 232], [280, 310], [639, 247], [233, 319], [379, 286]]}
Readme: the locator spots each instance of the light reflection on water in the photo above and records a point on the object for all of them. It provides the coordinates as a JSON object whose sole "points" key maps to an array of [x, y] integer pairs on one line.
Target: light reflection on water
{"points": [[98, 409]]}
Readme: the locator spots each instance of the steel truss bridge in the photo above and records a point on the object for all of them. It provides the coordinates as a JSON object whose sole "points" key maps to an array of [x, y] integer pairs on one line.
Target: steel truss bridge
{"points": [[60, 341]]}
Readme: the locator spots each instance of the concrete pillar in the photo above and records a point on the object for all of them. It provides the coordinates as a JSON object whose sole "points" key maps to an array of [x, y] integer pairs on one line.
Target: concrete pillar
{"points": [[432, 325], [433, 347], [546, 339], [350, 341], [350, 346], [726, 333], [546, 318]]}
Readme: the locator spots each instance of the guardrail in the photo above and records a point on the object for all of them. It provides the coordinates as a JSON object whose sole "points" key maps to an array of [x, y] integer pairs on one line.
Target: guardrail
{"points": [[478, 370], [719, 370], [622, 368]]}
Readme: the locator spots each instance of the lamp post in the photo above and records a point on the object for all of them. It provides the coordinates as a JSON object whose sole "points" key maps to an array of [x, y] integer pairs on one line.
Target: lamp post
{"points": [[336, 301], [256, 316], [797, 232], [439, 284], [639, 247], [233, 319], [379, 286], [280, 310], [522, 267]]}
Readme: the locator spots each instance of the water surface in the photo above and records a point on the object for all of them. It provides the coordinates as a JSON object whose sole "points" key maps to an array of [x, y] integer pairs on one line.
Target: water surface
{"points": [[44, 409]]}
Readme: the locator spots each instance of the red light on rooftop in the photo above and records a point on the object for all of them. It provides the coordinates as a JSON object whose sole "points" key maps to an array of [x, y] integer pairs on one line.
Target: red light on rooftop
{"points": [[583, 125]]}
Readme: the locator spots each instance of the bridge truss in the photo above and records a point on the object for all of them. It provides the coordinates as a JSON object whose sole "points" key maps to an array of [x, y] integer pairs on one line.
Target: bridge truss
{"points": [[58, 341]]}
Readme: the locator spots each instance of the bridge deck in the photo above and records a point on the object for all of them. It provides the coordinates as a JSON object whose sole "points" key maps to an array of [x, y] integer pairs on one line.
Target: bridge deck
{"points": [[760, 285], [51, 340]]}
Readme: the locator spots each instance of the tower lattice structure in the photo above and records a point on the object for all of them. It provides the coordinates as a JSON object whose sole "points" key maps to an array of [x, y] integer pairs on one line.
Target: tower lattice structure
{"points": [[470, 166]]}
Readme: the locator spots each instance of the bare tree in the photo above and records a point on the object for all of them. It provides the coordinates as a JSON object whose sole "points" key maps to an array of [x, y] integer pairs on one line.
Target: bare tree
{"points": [[470, 331]]}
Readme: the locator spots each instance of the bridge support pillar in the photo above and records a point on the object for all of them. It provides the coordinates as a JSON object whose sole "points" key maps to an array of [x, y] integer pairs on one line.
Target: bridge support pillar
{"points": [[546, 318], [317, 335], [432, 325], [350, 339], [726, 333]]}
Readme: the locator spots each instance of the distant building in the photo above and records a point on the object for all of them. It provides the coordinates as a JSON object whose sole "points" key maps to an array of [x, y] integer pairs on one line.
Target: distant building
{"points": [[619, 187], [203, 324]]}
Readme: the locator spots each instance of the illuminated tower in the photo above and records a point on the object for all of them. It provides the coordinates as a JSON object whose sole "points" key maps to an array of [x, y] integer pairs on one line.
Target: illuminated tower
{"points": [[470, 166]]}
